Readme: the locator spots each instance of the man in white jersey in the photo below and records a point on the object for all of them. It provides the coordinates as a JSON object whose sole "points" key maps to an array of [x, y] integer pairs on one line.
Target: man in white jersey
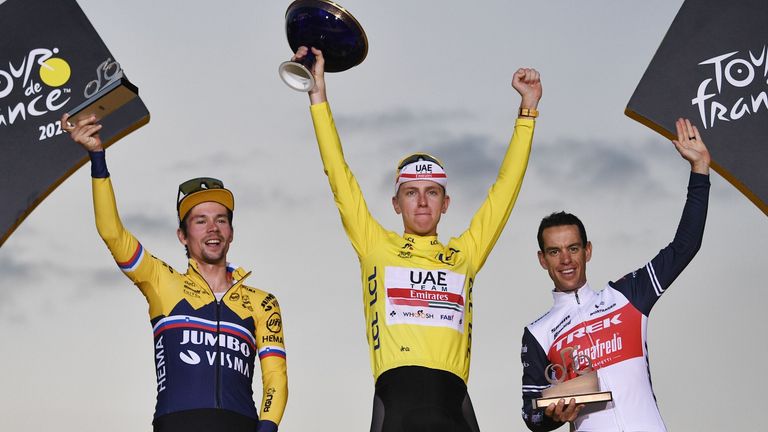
{"points": [[608, 326]]}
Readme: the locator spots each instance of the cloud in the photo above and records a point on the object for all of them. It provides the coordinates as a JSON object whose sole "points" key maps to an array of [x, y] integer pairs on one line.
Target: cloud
{"points": [[238, 155], [634, 169], [148, 224], [102, 281], [472, 162], [398, 118], [13, 269], [35, 274], [14, 273]]}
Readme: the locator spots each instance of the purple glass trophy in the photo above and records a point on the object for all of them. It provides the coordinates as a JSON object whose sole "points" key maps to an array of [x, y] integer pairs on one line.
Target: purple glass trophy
{"points": [[324, 25]]}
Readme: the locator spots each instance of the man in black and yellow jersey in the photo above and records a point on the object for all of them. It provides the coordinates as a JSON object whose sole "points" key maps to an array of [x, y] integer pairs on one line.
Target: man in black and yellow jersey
{"points": [[417, 291], [208, 326]]}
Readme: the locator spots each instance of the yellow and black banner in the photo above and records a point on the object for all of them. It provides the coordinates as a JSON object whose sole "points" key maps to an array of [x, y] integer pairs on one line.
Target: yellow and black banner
{"points": [[51, 60]]}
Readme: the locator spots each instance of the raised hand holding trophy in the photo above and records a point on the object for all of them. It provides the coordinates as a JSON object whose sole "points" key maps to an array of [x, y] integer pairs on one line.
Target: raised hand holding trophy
{"points": [[326, 26], [584, 388]]}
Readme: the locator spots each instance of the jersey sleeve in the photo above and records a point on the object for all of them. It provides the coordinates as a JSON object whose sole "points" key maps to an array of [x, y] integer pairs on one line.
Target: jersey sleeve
{"points": [[272, 358], [488, 222], [361, 228], [128, 252], [644, 286], [535, 362]]}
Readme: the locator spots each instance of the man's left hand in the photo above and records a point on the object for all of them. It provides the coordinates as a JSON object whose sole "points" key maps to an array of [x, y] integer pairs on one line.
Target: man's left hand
{"points": [[691, 147], [527, 82]]}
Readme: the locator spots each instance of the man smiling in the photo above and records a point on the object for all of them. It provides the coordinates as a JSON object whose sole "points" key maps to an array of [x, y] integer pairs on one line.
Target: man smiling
{"points": [[417, 292], [208, 326], [609, 326]]}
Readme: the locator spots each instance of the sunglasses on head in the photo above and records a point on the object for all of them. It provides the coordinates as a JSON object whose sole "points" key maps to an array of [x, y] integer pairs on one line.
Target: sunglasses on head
{"points": [[197, 185], [417, 157]]}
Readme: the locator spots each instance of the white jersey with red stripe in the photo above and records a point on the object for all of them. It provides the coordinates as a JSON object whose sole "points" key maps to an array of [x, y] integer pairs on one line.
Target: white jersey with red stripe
{"points": [[610, 328]]}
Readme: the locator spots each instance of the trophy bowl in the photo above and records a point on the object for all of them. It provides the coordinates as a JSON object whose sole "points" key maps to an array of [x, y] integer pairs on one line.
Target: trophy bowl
{"points": [[324, 25]]}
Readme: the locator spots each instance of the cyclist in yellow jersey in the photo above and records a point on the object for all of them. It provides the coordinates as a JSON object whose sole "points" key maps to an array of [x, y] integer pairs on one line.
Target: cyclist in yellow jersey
{"points": [[417, 291], [208, 326]]}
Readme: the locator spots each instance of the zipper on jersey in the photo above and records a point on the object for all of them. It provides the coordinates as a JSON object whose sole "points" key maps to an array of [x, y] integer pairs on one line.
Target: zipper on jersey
{"points": [[580, 317], [218, 386], [616, 416], [217, 361], [218, 353]]}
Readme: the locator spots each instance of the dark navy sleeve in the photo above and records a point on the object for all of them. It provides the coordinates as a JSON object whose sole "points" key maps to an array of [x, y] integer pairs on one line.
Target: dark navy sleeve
{"points": [[644, 286], [98, 164], [534, 361], [267, 426]]}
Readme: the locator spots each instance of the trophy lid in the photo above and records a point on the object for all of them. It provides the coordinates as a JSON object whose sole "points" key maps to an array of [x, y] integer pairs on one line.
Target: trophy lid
{"points": [[328, 27]]}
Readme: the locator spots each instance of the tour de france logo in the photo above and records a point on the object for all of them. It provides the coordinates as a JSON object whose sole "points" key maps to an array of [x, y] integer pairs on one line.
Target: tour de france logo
{"points": [[39, 83], [32, 86]]}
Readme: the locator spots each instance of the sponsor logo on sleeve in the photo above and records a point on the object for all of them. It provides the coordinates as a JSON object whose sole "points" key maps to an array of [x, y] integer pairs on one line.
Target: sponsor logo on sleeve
{"points": [[275, 323], [269, 302]]}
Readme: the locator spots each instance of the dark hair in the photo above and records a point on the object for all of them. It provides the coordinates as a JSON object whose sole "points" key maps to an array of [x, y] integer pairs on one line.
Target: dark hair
{"points": [[559, 219], [183, 225]]}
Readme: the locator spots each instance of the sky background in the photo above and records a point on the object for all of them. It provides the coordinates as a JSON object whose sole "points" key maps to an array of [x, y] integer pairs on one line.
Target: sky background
{"points": [[76, 341]]}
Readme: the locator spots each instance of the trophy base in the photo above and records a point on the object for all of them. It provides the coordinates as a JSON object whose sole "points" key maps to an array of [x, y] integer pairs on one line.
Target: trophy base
{"points": [[106, 101], [585, 398], [296, 76]]}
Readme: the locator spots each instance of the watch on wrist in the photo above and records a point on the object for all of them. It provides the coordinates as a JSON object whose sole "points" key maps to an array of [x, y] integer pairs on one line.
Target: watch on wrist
{"points": [[529, 112]]}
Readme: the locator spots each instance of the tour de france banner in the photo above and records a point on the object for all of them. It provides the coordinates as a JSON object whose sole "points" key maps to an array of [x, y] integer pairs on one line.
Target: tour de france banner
{"points": [[712, 67], [51, 60]]}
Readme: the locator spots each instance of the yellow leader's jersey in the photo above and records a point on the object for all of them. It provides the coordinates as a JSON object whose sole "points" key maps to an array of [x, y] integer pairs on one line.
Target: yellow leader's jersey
{"points": [[417, 292], [205, 349]]}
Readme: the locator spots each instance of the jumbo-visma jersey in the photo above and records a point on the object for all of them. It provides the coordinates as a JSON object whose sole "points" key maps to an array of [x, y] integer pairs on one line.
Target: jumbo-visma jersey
{"points": [[205, 350], [417, 292]]}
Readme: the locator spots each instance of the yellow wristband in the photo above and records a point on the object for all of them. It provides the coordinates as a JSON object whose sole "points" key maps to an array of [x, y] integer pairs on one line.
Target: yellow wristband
{"points": [[529, 112]]}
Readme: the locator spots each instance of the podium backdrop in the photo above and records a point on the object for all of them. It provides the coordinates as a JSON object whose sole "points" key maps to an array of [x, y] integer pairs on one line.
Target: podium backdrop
{"points": [[712, 67], [51, 60]]}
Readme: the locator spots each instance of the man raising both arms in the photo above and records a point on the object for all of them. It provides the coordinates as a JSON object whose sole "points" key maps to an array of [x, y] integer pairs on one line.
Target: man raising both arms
{"points": [[417, 292], [608, 326], [208, 326]]}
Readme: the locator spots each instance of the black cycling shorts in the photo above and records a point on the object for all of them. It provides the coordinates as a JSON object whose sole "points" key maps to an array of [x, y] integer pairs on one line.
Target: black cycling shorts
{"points": [[205, 420], [419, 399]]}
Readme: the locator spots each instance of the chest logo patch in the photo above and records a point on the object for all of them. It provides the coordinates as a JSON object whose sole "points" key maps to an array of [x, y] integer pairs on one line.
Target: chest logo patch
{"points": [[425, 297]]}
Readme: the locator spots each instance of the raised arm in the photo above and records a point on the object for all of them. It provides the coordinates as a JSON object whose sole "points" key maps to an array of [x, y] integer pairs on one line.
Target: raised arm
{"points": [[489, 221], [361, 228], [128, 253], [646, 285]]}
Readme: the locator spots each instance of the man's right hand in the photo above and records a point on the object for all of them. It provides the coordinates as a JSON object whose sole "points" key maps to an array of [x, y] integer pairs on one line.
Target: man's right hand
{"points": [[317, 93], [85, 132], [561, 412]]}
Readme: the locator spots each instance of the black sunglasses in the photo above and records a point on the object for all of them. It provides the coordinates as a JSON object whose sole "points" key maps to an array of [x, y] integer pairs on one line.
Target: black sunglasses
{"points": [[417, 157], [197, 185]]}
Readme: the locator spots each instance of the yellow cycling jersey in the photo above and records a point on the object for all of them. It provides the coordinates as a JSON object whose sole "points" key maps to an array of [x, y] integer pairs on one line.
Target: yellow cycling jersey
{"points": [[205, 349], [417, 292]]}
